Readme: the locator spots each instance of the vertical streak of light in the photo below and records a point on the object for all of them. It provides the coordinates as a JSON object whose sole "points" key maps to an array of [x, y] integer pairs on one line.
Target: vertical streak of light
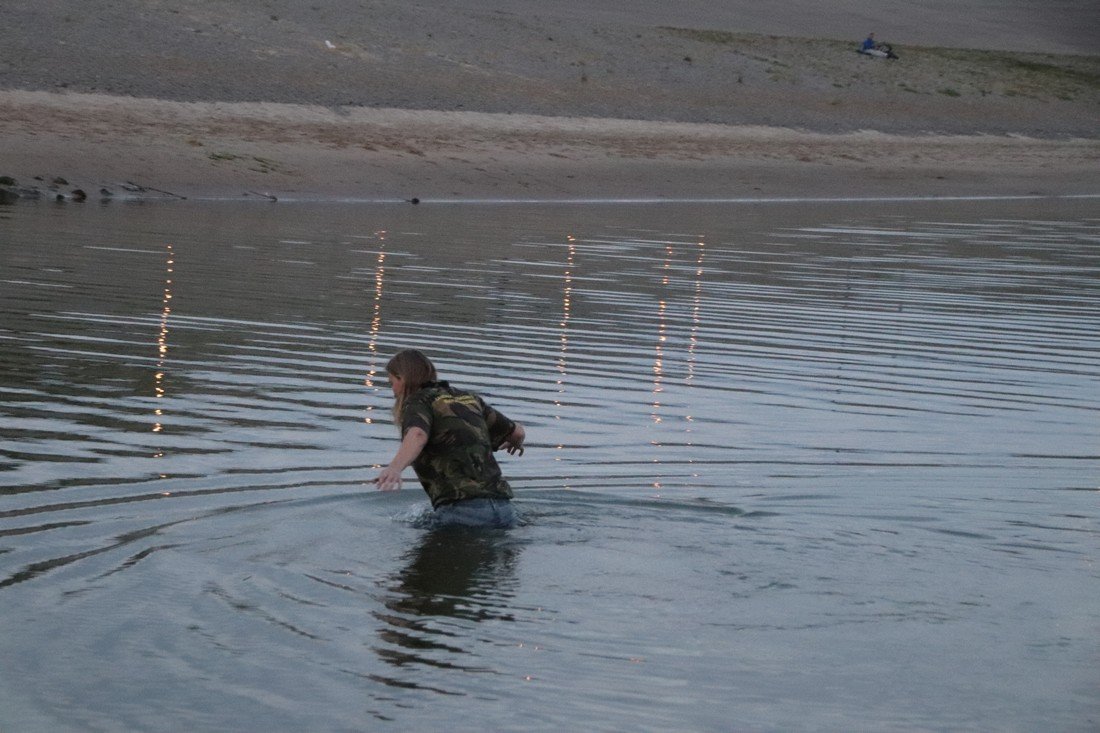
{"points": [[566, 306], [693, 336], [162, 342], [696, 312], [662, 337], [376, 321], [566, 310]]}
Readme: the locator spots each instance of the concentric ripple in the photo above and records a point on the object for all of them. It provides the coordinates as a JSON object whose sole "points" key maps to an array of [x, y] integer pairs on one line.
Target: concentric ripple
{"points": [[788, 462]]}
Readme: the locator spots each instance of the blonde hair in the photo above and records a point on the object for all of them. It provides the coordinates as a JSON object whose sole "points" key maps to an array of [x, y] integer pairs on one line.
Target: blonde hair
{"points": [[415, 369]]}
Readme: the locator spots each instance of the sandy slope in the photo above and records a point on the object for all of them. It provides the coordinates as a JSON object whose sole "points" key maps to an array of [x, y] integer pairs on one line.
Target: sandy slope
{"points": [[220, 149]]}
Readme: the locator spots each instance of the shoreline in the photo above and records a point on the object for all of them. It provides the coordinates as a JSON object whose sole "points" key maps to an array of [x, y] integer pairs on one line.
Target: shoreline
{"points": [[520, 100], [244, 150]]}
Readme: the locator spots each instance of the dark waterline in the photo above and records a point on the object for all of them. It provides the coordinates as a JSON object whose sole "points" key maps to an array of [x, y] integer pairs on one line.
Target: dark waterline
{"points": [[823, 466]]}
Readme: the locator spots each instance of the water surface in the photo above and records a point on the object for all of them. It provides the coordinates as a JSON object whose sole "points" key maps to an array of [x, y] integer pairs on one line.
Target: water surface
{"points": [[823, 466]]}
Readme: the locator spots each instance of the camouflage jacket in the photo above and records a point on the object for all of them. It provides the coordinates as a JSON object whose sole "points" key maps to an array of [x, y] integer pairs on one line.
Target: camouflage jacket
{"points": [[463, 431]]}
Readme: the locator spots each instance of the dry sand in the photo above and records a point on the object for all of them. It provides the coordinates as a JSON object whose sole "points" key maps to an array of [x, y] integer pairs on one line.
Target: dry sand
{"points": [[384, 100], [197, 149]]}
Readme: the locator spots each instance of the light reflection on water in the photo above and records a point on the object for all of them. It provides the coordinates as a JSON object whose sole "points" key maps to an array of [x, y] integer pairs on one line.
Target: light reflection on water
{"points": [[790, 466]]}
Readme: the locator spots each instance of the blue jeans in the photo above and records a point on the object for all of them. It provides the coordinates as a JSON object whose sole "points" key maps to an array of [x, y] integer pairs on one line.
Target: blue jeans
{"points": [[476, 513]]}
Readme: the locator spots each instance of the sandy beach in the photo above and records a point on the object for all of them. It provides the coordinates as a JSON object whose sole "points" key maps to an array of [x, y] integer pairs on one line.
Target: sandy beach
{"points": [[390, 102]]}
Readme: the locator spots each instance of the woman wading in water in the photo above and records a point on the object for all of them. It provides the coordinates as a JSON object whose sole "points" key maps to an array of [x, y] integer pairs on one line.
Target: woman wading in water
{"points": [[448, 436]]}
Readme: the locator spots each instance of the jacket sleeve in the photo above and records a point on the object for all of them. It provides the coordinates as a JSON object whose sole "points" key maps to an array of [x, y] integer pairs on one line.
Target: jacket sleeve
{"points": [[500, 427], [417, 413]]}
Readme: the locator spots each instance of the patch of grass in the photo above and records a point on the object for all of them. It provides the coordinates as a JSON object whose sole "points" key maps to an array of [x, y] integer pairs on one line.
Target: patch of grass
{"points": [[264, 165], [1066, 74], [1054, 73], [722, 38], [254, 162], [931, 70], [727, 38]]}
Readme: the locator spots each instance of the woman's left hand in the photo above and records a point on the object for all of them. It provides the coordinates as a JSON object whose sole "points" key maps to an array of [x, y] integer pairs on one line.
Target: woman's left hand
{"points": [[514, 443]]}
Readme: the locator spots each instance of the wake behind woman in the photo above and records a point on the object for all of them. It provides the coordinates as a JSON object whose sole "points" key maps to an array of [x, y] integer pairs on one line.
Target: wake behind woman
{"points": [[448, 436]]}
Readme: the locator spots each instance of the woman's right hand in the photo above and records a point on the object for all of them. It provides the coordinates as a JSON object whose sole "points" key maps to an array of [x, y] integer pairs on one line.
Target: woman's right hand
{"points": [[389, 479], [414, 441]]}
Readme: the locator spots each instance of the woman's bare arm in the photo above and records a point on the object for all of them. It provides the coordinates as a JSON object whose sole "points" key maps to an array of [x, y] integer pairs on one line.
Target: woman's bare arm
{"points": [[414, 441]]}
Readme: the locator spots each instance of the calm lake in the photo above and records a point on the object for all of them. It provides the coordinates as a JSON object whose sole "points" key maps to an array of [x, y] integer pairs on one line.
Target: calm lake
{"points": [[791, 466]]}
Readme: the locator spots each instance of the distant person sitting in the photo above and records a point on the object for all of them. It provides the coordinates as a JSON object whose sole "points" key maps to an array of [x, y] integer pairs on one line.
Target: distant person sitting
{"points": [[881, 50]]}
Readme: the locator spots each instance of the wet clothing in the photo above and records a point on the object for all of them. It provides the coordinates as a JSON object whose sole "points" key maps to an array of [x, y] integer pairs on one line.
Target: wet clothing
{"points": [[463, 431], [476, 513]]}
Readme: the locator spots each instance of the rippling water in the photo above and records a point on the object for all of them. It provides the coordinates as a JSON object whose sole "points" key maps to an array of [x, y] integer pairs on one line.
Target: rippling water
{"points": [[790, 466]]}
